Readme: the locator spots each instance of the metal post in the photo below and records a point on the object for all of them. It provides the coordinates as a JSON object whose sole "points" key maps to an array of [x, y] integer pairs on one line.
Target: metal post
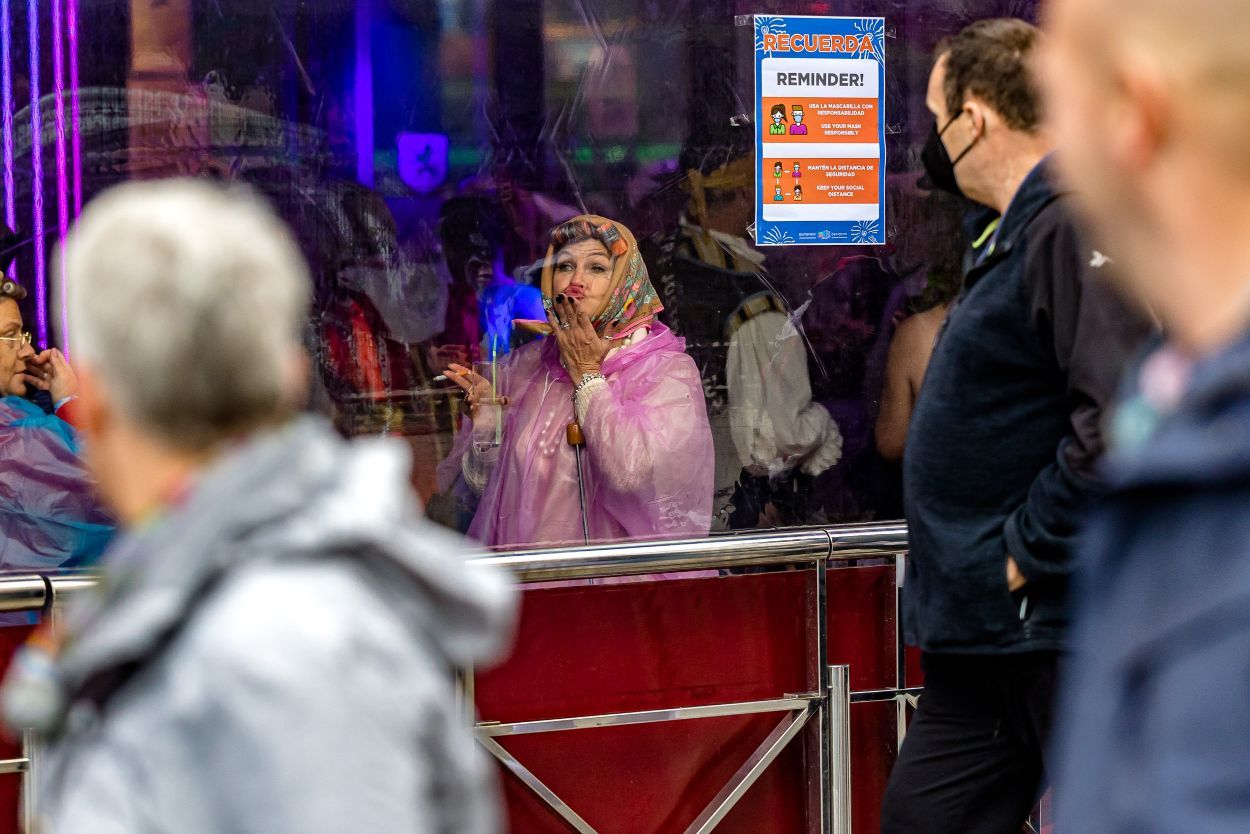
{"points": [[838, 708], [900, 655], [822, 663], [466, 694], [30, 798], [52, 609]]}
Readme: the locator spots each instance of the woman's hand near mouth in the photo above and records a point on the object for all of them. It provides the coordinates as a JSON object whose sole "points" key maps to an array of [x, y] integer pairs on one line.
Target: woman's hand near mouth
{"points": [[581, 348], [51, 372]]}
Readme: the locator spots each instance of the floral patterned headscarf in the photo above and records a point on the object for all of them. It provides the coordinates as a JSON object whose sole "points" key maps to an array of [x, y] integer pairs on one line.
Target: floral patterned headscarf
{"points": [[632, 301]]}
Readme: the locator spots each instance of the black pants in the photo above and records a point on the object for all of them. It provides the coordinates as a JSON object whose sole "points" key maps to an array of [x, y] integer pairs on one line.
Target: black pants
{"points": [[973, 761]]}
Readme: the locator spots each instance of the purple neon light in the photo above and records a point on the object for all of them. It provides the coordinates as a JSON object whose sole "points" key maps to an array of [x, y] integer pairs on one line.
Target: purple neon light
{"points": [[36, 169], [62, 162], [364, 94], [6, 102], [75, 117]]}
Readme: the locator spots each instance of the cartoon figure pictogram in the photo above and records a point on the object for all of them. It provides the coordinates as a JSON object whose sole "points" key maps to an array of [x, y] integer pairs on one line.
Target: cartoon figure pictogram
{"points": [[778, 127], [798, 128]]}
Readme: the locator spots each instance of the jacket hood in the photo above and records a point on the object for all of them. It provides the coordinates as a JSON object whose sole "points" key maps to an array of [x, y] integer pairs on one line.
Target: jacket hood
{"points": [[1203, 440], [295, 493]]}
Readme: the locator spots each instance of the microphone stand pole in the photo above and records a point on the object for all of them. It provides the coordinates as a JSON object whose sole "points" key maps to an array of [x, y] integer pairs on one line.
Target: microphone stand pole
{"points": [[573, 433]]}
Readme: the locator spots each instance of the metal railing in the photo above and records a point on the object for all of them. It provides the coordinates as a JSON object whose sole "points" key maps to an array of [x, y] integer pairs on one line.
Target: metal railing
{"points": [[752, 548], [718, 552], [812, 547]]}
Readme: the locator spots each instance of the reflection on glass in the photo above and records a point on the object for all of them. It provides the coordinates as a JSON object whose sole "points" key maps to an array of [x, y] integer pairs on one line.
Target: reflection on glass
{"points": [[49, 515], [491, 401], [605, 434], [750, 346], [487, 298], [422, 151]]}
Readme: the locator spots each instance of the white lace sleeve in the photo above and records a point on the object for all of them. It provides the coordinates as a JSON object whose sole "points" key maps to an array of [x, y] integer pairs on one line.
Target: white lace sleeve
{"points": [[581, 401]]}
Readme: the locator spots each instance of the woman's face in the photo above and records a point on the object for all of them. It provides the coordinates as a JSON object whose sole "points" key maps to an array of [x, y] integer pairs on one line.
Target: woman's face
{"points": [[583, 270]]}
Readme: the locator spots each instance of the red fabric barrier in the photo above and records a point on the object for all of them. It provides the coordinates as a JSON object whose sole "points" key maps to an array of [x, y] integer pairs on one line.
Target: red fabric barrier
{"points": [[874, 746], [861, 624], [659, 777], [655, 645], [650, 645], [11, 638]]}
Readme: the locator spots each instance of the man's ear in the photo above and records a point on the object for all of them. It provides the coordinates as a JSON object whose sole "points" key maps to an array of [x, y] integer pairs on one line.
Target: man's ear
{"points": [[296, 378], [1141, 113], [92, 405], [978, 119]]}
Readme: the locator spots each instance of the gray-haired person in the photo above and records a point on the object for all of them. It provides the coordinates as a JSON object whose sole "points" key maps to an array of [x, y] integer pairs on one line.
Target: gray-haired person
{"points": [[272, 645]]}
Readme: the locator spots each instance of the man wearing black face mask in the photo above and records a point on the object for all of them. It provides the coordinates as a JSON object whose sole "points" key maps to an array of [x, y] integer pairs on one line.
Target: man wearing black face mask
{"points": [[1001, 451], [980, 221]]}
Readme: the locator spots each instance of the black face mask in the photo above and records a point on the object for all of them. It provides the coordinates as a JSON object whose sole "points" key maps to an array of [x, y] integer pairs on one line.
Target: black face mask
{"points": [[938, 166]]}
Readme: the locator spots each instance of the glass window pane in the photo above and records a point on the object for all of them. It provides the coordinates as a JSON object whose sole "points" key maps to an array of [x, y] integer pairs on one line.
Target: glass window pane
{"points": [[422, 150]]}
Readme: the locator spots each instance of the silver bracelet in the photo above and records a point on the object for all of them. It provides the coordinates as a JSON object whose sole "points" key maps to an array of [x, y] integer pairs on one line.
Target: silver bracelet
{"points": [[586, 380]]}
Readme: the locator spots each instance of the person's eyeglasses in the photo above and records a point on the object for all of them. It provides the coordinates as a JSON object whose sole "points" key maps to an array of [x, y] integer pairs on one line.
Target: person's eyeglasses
{"points": [[24, 339]]}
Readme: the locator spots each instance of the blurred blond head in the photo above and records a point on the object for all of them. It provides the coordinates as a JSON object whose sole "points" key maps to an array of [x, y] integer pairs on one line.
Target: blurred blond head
{"points": [[1149, 101], [185, 301]]}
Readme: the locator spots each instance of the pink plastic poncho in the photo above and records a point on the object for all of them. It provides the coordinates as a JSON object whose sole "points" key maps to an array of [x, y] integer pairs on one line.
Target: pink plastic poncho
{"points": [[648, 460]]}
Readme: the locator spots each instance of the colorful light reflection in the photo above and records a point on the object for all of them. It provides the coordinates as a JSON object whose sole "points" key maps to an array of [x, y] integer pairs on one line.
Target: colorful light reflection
{"points": [[62, 161], [364, 93], [6, 102], [36, 186], [75, 116]]}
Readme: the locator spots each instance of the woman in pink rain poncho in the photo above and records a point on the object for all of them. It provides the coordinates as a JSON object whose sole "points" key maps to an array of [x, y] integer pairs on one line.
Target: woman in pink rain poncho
{"points": [[624, 377]]}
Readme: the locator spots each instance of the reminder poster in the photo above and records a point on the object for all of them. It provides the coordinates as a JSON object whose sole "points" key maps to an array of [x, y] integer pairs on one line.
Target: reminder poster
{"points": [[820, 146]]}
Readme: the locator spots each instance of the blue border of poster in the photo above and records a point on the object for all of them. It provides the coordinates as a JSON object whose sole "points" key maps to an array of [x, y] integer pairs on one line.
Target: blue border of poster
{"points": [[854, 224]]}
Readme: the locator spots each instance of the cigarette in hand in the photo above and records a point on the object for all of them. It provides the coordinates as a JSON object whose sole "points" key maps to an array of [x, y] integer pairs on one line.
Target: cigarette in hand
{"points": [[444, 377]]}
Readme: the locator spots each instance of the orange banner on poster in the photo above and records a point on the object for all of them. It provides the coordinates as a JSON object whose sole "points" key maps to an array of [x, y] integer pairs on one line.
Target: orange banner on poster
{"points": [[821, 181], [820, 120]]}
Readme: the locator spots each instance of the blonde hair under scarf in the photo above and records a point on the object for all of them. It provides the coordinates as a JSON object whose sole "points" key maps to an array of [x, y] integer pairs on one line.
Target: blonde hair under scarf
{"points": [[632, 301]]}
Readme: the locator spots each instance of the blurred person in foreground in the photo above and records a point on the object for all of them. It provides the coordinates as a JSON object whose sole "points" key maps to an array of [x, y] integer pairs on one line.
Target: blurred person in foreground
{"points": [[272, 642], [50, 515], [1001, 453], [624, 377], [1153, 97]]}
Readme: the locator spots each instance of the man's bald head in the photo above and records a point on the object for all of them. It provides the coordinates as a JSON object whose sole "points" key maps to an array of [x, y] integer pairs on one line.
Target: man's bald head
{"points": [[1149, 102], [1196, 27], [1194, 50]]}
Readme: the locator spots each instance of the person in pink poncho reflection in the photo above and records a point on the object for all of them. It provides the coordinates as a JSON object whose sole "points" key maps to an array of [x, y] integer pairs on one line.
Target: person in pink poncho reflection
{"points": [[624, 377]]}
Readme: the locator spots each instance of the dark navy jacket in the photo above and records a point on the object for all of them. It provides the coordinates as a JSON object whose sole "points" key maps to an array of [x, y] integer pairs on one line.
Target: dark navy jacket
{"points": [[1006, 432], [1155, 726]]}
